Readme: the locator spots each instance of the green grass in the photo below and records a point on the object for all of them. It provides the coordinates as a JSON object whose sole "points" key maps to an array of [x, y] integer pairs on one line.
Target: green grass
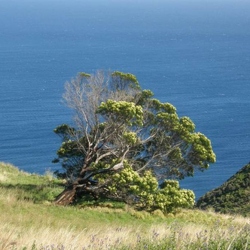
{"points": [[30, 220], [26, 186]]}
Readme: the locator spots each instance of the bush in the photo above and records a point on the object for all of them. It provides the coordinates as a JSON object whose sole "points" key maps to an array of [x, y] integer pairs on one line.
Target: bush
{"points": [[145, 193]]}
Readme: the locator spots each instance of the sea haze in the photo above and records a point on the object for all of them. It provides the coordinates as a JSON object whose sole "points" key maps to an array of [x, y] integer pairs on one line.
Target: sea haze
{"points": [[193, 54]]}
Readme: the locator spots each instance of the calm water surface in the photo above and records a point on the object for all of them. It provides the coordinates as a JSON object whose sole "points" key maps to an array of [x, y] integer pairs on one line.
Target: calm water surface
{"points": [[193, 54]]}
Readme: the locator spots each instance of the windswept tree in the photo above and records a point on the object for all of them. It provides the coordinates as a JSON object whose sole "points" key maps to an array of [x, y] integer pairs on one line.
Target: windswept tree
{"points": [[124, 143]]}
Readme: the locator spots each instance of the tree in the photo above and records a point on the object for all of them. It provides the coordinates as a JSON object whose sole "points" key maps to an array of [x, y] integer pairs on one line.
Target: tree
{"points": [[119, 129]]}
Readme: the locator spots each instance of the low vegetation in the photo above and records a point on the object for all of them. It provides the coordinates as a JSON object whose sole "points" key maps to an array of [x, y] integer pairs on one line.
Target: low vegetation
{"points": [[233, 196], [30, 221]]}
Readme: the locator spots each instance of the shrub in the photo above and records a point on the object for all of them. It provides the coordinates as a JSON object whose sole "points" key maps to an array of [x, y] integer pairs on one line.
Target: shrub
{"points": [[145, 193]]}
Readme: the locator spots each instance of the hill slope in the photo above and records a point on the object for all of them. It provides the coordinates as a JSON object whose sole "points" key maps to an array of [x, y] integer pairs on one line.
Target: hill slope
{"points": [[30, 220], [231, 197]]}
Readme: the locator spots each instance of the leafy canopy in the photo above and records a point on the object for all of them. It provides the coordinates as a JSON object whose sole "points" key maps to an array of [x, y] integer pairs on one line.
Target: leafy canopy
{"points": [[124, 142]]}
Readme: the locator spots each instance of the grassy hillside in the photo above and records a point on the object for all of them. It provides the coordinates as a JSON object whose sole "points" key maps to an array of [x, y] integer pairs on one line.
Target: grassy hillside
{"points": [[29, 220], [231, 197]]}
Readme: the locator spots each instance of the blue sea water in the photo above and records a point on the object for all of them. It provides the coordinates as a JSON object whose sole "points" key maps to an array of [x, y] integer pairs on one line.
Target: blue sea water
{"points": [[193, 54]]}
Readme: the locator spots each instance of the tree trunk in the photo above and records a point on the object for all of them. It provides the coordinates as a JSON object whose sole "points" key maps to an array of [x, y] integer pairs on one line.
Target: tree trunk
{"points": [[66, 197]]}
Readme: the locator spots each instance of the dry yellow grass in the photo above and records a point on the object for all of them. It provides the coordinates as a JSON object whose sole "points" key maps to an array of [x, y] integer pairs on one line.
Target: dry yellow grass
{"points": [[101, 237], [25, 229], [97, 237]]}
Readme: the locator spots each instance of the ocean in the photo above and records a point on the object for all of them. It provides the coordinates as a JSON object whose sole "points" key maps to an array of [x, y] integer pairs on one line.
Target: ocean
{"points": [[193, 54]]}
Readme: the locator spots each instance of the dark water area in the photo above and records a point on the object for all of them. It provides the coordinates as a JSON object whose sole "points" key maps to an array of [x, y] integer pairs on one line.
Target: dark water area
{"points": [[193, 54]]}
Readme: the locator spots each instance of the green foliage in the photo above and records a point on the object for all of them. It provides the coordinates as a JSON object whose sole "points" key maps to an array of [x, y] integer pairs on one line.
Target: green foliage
{"points": [[83, 74], [130, 138], [233, 196], [125, 141], [122, 111], [124, 78], [144, 191], [171, 197]]}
